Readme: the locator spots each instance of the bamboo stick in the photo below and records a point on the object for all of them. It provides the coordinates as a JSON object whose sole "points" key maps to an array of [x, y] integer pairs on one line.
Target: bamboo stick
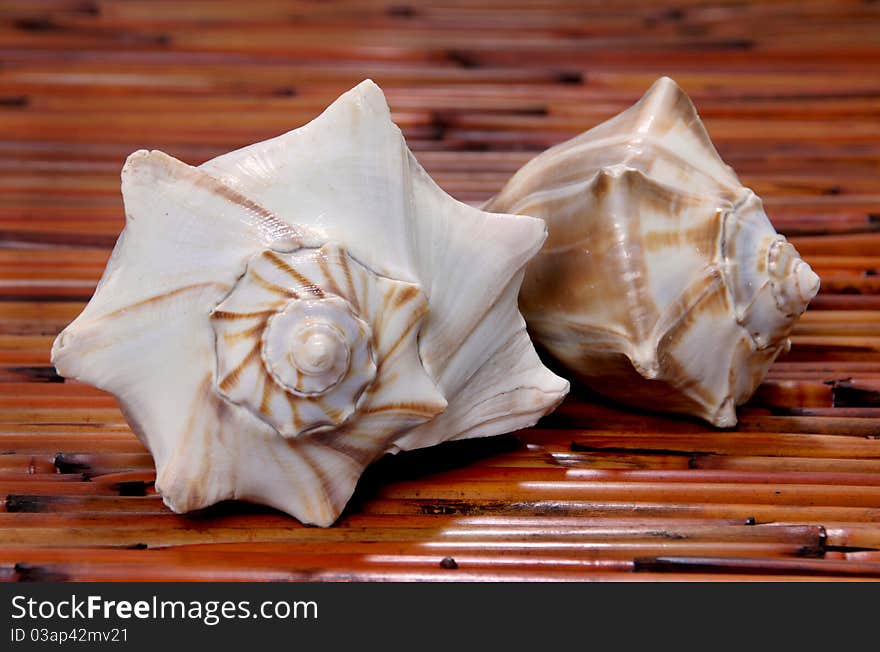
{"points": [[761, 513], [752, 566]]}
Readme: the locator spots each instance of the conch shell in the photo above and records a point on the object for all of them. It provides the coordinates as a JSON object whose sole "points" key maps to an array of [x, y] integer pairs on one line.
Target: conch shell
{"points": [[276, 319], [662, 284]]}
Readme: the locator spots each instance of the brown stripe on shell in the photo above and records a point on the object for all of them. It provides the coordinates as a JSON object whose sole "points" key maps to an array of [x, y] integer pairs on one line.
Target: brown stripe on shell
{"points": [[246, 333], [238, 199], [781, 250], [345, 438], [203, 396], [396, 300], [657, 240], [359, 443], [270, 224], [306, 284], [416, 409], [186, 470], [602, 186], [378, 317], [387, 379], [677, 376], [732, 226], [591, 338], [761, 262], [232, 378], [545, 203], [326, 482], [333, 287], [349, 281], [701, 237], [718, 231], [659, 153], [294, 409], [417, 316], [268, 392], [709, 296], [404, 295], [273, 287], [678, 316], [731, 374], [150, 302], [227, 315], [334, 414], [365, 290], [664, 200], [663, 109]]}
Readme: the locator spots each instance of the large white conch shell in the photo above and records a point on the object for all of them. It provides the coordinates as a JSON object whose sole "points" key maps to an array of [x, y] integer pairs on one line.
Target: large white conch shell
{"points": [[662, 283], [281, 316]]}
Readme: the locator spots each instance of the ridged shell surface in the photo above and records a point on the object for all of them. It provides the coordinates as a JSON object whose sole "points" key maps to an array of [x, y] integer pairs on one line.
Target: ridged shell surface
{"points": [[276, 319], [663, 283]]}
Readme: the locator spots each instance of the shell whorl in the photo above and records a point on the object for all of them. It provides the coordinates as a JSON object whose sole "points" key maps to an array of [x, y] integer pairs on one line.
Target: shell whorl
{"points": [[294, 337], [769, 283], [311, 345], [793, 281]]}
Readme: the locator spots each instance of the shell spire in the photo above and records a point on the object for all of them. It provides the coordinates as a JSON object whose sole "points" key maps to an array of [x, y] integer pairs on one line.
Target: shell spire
{"points": [[276, 319], [662, 283]]}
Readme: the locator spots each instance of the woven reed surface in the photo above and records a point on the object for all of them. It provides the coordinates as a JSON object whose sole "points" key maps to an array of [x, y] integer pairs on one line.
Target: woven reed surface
{"points": [[790, 92]]}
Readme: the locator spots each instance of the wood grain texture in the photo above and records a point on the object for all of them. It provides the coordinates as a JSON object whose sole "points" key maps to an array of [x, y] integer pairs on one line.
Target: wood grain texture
{"points": [[789, 91]]}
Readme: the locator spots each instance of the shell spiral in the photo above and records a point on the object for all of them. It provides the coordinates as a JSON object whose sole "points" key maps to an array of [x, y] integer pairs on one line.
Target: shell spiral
{"points": [[663, 283], [276, 319], [295, 341]]}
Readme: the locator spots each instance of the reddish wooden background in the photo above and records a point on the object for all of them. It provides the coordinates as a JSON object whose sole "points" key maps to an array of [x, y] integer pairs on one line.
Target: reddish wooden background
{"points": [[790, 91]]}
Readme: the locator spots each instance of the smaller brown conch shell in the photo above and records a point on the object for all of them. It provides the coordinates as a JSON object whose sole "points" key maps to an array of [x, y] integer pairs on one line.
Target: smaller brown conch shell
{"points": [[662, 284]]}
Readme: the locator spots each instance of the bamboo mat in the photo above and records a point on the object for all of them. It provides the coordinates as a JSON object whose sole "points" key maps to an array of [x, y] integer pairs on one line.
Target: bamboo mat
{"points": [[790, 92]]}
